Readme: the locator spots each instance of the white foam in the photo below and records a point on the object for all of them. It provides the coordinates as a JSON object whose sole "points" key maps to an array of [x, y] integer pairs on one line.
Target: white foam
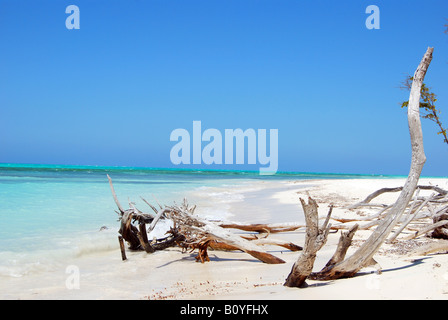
{"points": [[160, 229], [16, 264]]}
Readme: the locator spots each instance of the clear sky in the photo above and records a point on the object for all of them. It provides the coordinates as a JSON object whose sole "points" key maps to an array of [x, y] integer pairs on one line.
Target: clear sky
{"points": [[111, 92]]}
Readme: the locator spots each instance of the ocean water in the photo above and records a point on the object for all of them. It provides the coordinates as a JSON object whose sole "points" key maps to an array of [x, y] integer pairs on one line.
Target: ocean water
{"points": [[52, 213]]}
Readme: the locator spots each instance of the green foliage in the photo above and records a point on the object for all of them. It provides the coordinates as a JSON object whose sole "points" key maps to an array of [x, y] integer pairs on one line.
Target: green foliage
{"points": [[427, 105]]}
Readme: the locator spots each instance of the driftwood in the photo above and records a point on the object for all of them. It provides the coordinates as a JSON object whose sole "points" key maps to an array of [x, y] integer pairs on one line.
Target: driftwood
{"points": [[261, 228], [314, 240], [363, 256], [190, 232], [199, 232], [441, 231], [433, 218], [344, 243], [366, 202], [122, 249], [434, 247], [340, 267], [430, 227]]}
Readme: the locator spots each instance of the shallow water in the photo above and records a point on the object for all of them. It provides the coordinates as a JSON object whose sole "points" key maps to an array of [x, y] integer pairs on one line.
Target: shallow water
{"points": [[49, 214]]}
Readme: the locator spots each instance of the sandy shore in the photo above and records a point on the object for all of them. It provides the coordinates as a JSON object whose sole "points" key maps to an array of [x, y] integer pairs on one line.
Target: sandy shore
{"points": [[171, 274]]}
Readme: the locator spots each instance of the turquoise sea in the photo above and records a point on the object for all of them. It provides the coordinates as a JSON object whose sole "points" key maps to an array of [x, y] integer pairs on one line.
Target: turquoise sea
{"points": [[48, 212]]}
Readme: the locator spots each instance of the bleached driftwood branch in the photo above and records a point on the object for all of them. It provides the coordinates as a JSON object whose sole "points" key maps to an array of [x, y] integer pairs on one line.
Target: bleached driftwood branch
{"points": [[338, 267], [366, 202], [364, 255]]}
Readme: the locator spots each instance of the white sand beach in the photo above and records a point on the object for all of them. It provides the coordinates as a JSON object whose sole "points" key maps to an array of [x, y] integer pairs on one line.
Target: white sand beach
{"points": [[170, 274]]}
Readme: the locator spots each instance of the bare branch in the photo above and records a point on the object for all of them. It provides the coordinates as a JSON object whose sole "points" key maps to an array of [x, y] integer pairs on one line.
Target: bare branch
{"points": [[114, 195]]}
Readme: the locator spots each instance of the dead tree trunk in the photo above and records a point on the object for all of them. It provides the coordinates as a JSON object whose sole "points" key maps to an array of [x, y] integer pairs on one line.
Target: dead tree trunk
{"points": [[314, 240], [364, 255]]}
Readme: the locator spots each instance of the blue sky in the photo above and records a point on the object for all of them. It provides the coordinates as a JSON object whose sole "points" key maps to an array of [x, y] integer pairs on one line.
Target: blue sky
{"points": [[111, 92]]}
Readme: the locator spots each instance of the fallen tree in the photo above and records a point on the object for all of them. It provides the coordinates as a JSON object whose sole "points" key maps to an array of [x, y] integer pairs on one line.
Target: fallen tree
{"points": [[190, 232]]}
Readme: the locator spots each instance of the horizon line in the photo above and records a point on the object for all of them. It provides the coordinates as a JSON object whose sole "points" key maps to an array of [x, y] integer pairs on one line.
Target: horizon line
{"points": [[190, 170]]}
